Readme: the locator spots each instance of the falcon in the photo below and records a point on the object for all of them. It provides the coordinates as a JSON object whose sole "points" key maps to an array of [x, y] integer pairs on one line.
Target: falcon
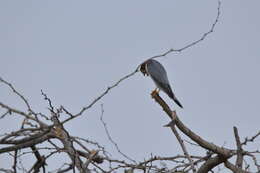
{"points": [[158, 74]]}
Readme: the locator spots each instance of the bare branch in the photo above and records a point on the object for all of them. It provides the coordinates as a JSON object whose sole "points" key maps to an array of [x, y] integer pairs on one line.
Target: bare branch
{"points": [[137, 69], [194, 42], [27, 144], [27, 116], [234, 168], [203, 143], [83, 159], [100, 97], [100, 148], [17, 93], [49, 100], [7, 112], [174, 130], [20, 132], [17, 111], [15, 161], [67, 142], [5, 140], [70, 167], [250, 139], [239, 161], [63, 170], [211, 163], [6, 170], [255, 161], [40, 163], [110, 138]]}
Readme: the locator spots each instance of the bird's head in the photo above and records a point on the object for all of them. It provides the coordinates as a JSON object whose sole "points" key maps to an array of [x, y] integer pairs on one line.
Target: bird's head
{"points": [[143, 68]]}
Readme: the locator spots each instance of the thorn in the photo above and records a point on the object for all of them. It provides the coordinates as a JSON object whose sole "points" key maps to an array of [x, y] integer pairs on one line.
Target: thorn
{"points": [[169, 124]]}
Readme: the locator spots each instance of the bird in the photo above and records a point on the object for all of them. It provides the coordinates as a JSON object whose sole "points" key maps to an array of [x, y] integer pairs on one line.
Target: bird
{"points": [[156, 71]]}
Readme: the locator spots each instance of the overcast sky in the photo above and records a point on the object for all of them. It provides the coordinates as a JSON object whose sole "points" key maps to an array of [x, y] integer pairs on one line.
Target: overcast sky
{"points": [[74, 50]]}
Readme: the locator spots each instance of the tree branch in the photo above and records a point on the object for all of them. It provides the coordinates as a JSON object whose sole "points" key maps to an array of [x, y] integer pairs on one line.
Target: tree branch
{"points": [[194, 42], [15, 161], [211, 163], [174, 130], [239, 161], [234, 168], [203, 143], [67, 142], [110, 138], [27, 144], [137, 69], [17, 93]]}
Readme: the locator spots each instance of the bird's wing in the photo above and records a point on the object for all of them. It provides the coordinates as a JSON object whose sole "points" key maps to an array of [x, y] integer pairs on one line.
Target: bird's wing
{"points": [[157, 72], [159, 76]]}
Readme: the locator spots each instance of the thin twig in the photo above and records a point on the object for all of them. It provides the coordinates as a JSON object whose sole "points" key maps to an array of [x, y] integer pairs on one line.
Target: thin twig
{"points": [[137, 69], [17, 93], [100, 97], [15, 161], [194, 42], [110, 138], [250, 139], [185, 151]]}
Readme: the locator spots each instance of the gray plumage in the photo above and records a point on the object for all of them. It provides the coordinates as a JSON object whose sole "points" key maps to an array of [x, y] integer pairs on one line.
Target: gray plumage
{"points": [[159, 75]]}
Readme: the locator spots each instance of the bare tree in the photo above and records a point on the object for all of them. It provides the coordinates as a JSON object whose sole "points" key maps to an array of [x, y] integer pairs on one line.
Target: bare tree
{"points": [[44, 136]]}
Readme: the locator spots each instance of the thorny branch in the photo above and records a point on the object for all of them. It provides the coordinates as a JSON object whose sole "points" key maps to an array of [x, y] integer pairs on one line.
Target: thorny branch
{"points": [[222, 154], [43, 136], [194, 42], [17, 93], [250, 139], [137, 69], [174, 130], [110, 138]]}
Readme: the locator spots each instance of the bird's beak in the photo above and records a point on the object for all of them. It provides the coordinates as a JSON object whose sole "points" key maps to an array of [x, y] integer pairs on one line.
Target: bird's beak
{"points": [[142, 69], [144, 73]]}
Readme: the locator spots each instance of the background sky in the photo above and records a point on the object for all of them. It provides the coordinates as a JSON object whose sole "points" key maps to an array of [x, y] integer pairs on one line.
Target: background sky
{"points": [[74, 50]]}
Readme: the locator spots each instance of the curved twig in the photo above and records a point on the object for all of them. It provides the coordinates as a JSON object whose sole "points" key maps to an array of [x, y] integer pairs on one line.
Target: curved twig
{"points": [[137, 69]]}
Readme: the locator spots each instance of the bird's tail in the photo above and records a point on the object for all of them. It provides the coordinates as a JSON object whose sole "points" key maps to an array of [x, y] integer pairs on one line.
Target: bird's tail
{"points": [[175, 100]]}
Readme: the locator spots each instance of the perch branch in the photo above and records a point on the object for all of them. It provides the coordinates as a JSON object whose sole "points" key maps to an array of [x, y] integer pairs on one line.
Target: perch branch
{"points": [[239, 161], [203, 143]]}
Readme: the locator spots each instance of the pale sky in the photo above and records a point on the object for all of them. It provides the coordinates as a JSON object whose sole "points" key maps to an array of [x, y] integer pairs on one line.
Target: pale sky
{"points": [[74, 50]]}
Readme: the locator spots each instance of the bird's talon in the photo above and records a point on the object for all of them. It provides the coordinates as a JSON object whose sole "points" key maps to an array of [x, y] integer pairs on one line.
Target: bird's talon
{"points": [[154, 93]]}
